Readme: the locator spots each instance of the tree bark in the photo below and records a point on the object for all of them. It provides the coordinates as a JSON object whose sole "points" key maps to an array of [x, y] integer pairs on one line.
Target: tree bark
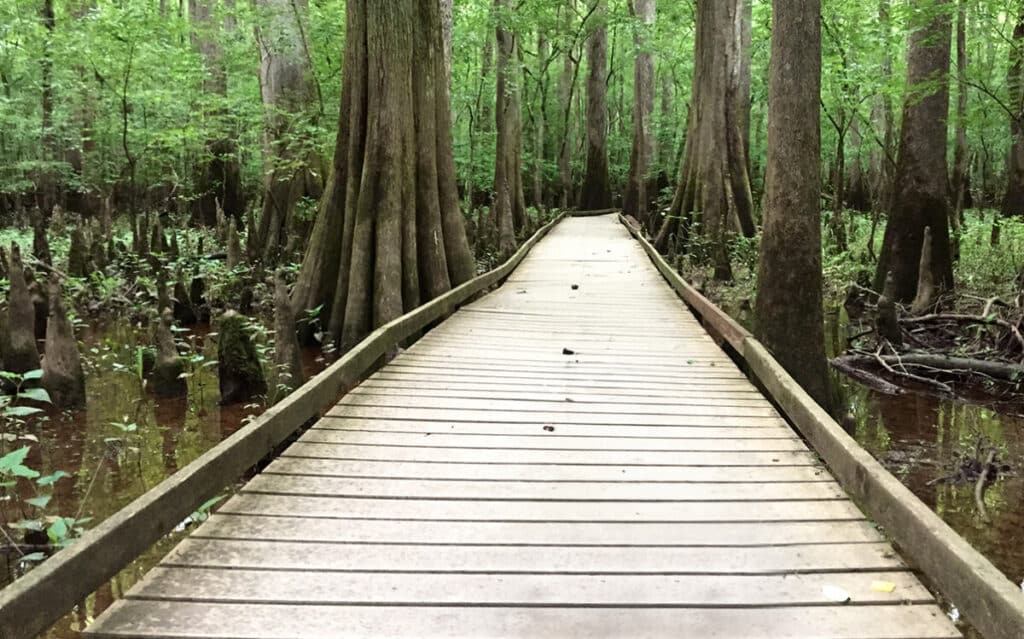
{"points": [[47, 188], [920, 197], [637, 197], [390, 217], [883, 159], [788, 311], [509, 206], [714, 188], [960, 180], [220, 178], [596, 193], [1013, 197], [289, 103], [540, 120], [566, 86]]}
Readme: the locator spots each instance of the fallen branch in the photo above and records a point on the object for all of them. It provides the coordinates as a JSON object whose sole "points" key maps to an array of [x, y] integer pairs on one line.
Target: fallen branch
{"points": [[845, 365], [967, 319], [979, 487], [887, 361]]}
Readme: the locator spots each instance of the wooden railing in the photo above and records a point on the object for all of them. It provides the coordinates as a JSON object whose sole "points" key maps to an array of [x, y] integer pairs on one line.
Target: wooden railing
{"points": [[989, 601], [39, 599]]}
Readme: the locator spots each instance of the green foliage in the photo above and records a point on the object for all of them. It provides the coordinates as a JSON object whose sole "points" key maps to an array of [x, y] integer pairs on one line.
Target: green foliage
{"points": [[14, 468]]}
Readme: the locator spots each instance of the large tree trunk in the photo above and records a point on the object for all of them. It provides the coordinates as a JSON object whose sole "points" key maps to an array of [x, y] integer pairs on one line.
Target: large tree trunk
{"points": [[47, 184], [391, 216], [540, 121], [566, 86], [1013, 197], [920, 187], [220, 179], [960, 180], [637, 197], [714, 180], [597, 192], [289, 99], [509, 205], [789, 315]]}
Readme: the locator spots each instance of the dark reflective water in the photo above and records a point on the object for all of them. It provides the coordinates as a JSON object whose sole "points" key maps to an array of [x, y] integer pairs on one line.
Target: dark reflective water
{"points": [[111, 467], [919, 438]]}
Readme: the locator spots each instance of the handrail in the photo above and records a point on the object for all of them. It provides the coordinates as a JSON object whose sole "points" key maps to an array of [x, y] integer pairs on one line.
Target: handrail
{"points": [[38, 600], [990, 601]]}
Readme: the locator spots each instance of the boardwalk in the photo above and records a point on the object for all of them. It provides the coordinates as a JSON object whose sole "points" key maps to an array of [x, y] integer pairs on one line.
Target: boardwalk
{"points": [[570, 456]]}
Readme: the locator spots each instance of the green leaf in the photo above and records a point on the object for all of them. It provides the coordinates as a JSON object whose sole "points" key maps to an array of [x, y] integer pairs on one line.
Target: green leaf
{"points": [[21, 411], [24, 471], [58, 530], [13, 459], [49, 480], [39, 502], [34, 556], [35, 394], [36, 374]]}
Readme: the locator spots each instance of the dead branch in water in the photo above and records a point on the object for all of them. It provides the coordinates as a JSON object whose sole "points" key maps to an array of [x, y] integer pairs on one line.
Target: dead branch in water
{"points": [[979, 487]]}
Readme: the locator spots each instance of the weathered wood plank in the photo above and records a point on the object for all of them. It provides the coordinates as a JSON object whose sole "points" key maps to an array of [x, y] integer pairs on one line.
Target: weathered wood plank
{"points": [[560, 457], [556, 490], [522, 472], [537, 533], [560, 405], [548, 416], [247, 503], [503, 589], [542, 440], [247, 621], [471, 390], [781, 560], [778, 431]]}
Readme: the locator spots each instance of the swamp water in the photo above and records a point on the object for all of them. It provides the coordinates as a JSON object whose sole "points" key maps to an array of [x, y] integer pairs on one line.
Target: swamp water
{"points": [[111, 465]]}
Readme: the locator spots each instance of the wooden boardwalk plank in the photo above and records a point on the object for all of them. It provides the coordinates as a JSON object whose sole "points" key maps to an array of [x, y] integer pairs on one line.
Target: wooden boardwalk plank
{"points": [[255, 503], [503, 589], [553, 472], [486, 484], [778, 560], [174, 620], [446, 533]]}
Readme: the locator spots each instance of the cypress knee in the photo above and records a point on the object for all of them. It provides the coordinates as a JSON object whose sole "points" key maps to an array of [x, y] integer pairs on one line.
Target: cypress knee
{"points": [[41, 245], [40, 304], [167, 379], [23, 354], [78, 254], [241, 375], [234, 245], [184, 313], [62, 369], [287, 356]]}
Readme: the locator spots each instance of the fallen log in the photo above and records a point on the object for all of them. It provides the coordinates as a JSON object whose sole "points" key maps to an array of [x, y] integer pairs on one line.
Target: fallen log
{"points": [[845, 364], [1005, 371]]}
